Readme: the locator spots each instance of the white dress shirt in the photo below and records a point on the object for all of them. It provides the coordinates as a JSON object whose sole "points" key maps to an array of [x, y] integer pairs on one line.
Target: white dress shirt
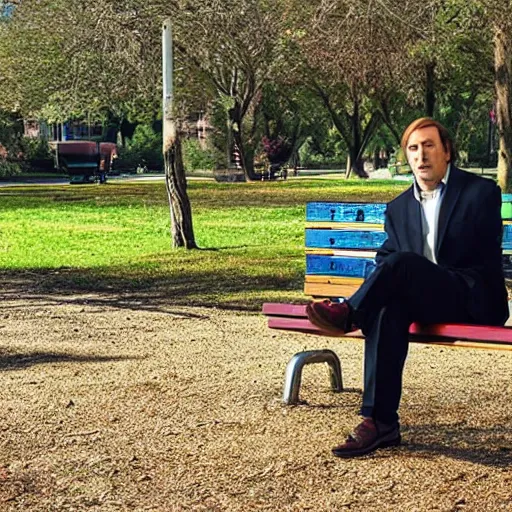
{"points": [[430, 205]]}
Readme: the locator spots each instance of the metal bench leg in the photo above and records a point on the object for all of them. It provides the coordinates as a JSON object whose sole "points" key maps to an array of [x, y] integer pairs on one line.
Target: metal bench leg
{"points": [[294, 372]]}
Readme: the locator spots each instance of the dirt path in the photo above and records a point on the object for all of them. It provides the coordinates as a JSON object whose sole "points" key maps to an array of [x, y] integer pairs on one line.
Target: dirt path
{"points": [[110, 405]]}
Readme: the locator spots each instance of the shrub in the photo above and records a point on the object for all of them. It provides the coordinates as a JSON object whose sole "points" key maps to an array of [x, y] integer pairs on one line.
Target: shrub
{"points": [[277, 150], [8, 168], [195, 158], [36, 154], [312, 156], [9, 162], [144, 149]]}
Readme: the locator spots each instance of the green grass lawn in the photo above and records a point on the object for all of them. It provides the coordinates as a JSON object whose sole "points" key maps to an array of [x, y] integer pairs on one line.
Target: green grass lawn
{"points": [[115, 238]]}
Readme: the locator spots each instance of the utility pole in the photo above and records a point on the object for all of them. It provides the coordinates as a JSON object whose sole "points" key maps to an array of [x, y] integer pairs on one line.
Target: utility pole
{"points": [[182, 233], [167, 76]]}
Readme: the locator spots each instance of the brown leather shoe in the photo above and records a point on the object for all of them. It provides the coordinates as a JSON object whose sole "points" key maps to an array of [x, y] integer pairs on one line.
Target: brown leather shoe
{"points": [[332, 317], [367, 437]]}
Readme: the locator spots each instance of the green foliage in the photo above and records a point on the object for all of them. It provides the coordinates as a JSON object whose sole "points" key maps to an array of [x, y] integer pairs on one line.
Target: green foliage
{"points": [[143, 149], [219, 133], [11, 130], [36, 154], [8, 168], [35, 149], [56, 58], [328, 150], [10, 145], [195, 158]]}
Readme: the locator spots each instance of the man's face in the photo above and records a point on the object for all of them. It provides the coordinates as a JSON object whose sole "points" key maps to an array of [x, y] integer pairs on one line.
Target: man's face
{"points": [[427, 157]]}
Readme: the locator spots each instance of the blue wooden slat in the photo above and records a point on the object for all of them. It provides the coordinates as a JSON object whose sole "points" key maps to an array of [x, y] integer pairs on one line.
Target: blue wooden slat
{"points": [[368, 212], [367, 240], [337, 239], [507, 237], [346, 212], [373, 213], [339, 266]]}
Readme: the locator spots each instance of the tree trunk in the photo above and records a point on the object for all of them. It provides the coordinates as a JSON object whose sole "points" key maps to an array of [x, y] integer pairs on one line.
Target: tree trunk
{"points": [[376, 159], [182, 232], [248, 163], [430, 94], [358, 167], [502, 63], [386, 117], [357, 149], [235, 125]]}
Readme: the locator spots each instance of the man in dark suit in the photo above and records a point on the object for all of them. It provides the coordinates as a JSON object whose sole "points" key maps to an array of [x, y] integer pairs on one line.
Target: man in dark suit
{"points": [[441, 263]]}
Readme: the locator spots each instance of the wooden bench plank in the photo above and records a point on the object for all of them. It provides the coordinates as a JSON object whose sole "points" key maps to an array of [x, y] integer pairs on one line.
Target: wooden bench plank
{"points": [[507, 237], [331, 230], [350, 253], [321, 264], [331, 286], [359, 226], [330, 290], [304, 326], [281, 309], [344, 239], [357, 281], [346, 212], [292, 317]]}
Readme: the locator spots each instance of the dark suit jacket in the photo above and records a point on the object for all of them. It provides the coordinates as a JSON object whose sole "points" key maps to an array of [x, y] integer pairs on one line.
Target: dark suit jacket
{"points": [[468, 239]]}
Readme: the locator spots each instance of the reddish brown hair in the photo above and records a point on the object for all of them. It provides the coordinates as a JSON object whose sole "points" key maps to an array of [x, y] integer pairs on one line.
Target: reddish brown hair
{"points": [[424, 122]]}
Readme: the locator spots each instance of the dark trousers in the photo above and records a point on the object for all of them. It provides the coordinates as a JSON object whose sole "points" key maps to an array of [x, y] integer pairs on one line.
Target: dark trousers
{"points": [[403, 289]]}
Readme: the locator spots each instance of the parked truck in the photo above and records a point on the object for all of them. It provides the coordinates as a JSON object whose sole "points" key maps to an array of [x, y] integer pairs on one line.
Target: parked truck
{"points": [[85, 161]]}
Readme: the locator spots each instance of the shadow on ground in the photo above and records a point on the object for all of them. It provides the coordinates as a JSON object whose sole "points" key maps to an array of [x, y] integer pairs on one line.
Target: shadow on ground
{"points": [[488, 446], [20, 361], [222, 289]]}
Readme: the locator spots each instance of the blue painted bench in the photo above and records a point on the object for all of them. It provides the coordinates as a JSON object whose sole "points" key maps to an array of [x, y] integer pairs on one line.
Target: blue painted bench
{"points": [[341, 242]]}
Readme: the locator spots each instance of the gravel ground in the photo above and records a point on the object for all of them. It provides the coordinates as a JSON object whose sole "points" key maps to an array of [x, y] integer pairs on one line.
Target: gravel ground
{"points": [[110, 405]]}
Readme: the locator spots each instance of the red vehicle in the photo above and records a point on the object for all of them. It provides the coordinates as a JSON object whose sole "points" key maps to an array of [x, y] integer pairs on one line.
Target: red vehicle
{"points": [[85, 161]]}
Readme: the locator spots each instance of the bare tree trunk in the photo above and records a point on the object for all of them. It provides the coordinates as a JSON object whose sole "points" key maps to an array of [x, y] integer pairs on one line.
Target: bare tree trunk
{"points": [[246, 160], [349, 128], [386, 118], [358, 166], [430, 93], [502, 64], [182, 232]]}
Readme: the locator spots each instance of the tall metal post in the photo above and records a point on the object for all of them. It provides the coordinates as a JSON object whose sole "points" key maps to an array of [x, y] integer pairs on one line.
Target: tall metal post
{"points": [[167, 75]]}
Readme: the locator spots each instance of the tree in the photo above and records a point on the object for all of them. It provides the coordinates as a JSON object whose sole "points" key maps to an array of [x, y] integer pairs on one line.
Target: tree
{"points": [[501, 16], [64, 60], [182, 232], [61, 60], [480, 30], [351, 61], [235, 47]]}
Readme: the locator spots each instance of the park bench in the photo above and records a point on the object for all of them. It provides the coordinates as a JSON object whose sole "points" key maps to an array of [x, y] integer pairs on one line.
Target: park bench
{"points": [[341, 242]]}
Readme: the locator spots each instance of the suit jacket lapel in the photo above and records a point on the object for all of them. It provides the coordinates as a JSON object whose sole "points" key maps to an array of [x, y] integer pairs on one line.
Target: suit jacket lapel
{"points": [[451, 196], [413, 223]]}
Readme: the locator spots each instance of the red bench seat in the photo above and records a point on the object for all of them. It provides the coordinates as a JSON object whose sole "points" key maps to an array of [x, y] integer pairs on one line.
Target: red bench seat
{"points": [[292, 317]]}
